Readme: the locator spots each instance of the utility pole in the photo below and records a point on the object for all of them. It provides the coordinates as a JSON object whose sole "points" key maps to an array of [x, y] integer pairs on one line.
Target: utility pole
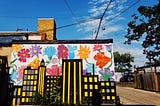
{"points": [[102, 19]]}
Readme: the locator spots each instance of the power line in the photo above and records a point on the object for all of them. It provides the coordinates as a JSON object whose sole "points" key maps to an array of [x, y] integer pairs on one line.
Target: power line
{"points": [[95, 18], [70, 9], [110, 20], [79, 22], [102, 18]]}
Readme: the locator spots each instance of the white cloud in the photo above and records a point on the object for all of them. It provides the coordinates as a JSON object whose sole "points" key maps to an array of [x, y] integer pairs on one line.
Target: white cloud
{"points": [[97, 8]]}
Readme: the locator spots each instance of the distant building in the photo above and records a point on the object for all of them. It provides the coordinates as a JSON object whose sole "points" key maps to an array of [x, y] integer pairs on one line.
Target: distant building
{"points": [[46, 30]]}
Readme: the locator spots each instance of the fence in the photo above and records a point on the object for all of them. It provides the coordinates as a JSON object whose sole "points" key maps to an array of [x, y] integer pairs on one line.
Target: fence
{"points": [[148, 81]]}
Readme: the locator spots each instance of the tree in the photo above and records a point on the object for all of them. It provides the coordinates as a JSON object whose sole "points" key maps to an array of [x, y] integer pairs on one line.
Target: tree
{"points": [[122, 61], [146, 26]]}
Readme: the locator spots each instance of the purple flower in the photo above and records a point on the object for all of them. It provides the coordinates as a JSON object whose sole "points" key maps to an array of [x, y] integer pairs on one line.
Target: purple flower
{"points": [[109, 47], [35, 50]]}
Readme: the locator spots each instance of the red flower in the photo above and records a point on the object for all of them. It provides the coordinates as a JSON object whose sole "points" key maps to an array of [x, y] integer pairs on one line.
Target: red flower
{"points": [[97, 47], [23, 54], [55, 70], [62, 52], [102, 60]]}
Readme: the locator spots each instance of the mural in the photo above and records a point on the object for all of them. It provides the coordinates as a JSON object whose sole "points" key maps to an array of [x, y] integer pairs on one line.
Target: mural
{"points": [[23, 55]]}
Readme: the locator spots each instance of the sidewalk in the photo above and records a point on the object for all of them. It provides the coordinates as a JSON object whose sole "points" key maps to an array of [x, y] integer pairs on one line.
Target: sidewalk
{"points": [[132, 96]]}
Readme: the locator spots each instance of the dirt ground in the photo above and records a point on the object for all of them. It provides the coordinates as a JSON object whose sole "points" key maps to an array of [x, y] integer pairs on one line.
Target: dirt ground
{"points": [[132, 96]]}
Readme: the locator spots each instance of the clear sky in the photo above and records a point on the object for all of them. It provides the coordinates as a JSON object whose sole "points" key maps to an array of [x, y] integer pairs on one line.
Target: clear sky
{"points": [[25, 13]]}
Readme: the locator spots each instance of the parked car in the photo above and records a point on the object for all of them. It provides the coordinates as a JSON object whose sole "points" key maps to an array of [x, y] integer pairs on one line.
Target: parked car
{"points": [[127, 76]]}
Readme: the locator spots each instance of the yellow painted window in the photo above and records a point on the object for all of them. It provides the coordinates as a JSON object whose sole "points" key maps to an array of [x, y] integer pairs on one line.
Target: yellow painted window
{"points": [[24, 82], [29, 77], [96, 86], [27, 100], [34, 88], [25, 71], [112, 90], [31, 94], [103, 97], [47, 80], [31, 82], [36, 71], [85, 79], [32, 76], [107, 83], [47, 85], [90, 79], [35, 82], [102, 84], [90, 86], [23, 99], [103, 90], [23, 93], [113, 97], [85, 86], [86, 94], [14, 101], [108, 97], [95, 79], [90, 93], [19, 91]]}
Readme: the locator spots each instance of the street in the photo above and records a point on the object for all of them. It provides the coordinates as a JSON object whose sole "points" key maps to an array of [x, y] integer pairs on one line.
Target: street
{"points": [[132, 96]]}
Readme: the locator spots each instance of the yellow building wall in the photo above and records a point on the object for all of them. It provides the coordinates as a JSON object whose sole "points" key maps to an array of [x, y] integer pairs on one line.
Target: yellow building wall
{"points": [[6, 51], [47, 26]]}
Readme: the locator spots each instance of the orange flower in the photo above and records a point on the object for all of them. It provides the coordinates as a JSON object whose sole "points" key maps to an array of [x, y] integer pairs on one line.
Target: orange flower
{"points": [[102, 60], [16, 47], [83, 52]]}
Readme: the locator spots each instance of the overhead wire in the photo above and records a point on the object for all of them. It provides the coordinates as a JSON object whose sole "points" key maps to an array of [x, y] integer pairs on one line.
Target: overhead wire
{"points": [[98, 17], [110, 20], [102, 19], [78, 22]]}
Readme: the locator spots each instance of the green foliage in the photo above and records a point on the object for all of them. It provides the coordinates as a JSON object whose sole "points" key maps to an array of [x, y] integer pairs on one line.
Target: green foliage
{"points": [[148, 26], [52, 98], [122, 61]]}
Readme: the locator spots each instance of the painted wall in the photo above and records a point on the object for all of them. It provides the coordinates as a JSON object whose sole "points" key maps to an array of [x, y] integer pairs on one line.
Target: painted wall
{"points": [[23, 55]]}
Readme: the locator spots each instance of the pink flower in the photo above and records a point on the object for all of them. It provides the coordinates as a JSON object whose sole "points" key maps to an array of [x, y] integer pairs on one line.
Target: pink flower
{"points": [[23, 54], [20, 72], [55, 70], [62, 52], [97, 47]]}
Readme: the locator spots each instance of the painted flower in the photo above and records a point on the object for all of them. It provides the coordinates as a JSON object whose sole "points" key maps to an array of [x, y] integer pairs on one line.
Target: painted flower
{"points": [[107, 74], [35, 63], [71, 50], [97, 47], [20, 71], [62, 52], [83, 52], [35, 50], [54, 60], [90, 68], [23, 55], [55, 70], [109, 48], [49, 51], [16, 47], [101, 59]]}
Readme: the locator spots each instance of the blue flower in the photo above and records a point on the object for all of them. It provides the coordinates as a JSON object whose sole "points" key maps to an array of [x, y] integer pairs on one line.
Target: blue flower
{"points": [[71, 50], [49, 51]]}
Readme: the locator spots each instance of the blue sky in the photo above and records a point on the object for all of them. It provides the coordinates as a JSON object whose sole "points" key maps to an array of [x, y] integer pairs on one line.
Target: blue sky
{"points": [[24, 14]]}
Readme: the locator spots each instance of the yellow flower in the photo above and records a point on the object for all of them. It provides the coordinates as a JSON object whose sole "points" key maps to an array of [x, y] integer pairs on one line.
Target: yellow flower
{"points": [[83, 52], [16, 47]]}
